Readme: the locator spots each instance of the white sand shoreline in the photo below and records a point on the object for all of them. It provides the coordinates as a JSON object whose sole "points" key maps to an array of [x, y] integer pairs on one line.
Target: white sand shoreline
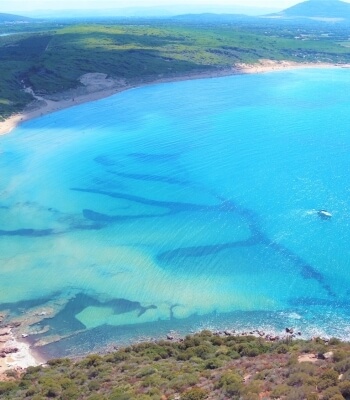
{"points": [[97, 86], [20, 355]]}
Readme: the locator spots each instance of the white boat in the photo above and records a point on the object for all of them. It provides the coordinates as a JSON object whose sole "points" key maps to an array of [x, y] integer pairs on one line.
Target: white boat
{"points": [[324, 214]]}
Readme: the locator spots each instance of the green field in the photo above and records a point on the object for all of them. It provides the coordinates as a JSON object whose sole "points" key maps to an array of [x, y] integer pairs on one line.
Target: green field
{"points": [[52, 61]]}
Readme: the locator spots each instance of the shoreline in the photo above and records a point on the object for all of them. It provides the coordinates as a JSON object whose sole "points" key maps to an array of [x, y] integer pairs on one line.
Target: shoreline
{"points": [[97, 86], [15, 354]]}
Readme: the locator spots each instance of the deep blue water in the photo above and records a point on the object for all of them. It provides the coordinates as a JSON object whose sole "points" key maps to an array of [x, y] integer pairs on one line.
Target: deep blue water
{"points": [[180, 206]]}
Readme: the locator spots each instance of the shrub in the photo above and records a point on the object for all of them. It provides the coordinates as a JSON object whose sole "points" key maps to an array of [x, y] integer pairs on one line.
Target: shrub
{"points": [[343, 366], [121, 396], [312, 396], [213, 364], [145, 372], [344, 388], [300, 393], [31, 391], [93, 386], [183, 381], [330, 392], [300, 379], [72, 393], [11, 373], [231, 383], [327, 379], [305, 367], [250, 396], [334, 341], [280, 390], [234, 355], [282, 349], [6, 387], [92, 360], [339, 355], [59, 361], [96, 397], [53, 391], [194, 394]]}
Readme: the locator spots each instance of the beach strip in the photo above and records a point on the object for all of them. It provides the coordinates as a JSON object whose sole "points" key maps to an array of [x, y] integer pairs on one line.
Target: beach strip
{"points": [[15, 354], [98, 86]]}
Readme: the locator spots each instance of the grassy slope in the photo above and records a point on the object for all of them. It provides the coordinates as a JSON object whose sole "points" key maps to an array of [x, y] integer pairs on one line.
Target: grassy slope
{"points": [[53, 61], [203, 366]]}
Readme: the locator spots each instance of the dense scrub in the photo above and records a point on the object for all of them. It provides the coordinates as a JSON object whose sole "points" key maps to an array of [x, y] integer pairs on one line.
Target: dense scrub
{"points": [[53, 60], [203, 366]]}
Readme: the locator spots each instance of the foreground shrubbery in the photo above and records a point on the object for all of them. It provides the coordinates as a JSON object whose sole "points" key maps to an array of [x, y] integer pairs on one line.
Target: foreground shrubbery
{"points": [[203, 366]]}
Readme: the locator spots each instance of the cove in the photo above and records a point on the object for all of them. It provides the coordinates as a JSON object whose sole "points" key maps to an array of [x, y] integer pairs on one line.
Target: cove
{"points": [[180, 206]]}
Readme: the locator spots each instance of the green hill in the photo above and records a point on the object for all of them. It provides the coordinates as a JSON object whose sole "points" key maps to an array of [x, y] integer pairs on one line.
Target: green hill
{"points": [[203, 366], [52, 61], [319, 9], [13, 18]]}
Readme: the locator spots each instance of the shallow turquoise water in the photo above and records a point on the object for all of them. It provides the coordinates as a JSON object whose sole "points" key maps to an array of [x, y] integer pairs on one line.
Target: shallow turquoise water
{"points": [[188, 204]]}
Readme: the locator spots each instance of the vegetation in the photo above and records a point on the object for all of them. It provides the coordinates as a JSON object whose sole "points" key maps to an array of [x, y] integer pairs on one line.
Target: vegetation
{"points": [[203, 366], [52, 60]]}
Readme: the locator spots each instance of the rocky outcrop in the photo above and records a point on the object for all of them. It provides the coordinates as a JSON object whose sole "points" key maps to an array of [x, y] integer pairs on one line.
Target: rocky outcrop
{"points": [[8, 350]]}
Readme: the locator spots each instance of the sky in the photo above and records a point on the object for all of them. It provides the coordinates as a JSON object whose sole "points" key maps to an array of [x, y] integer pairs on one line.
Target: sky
{"points": [[29, 5]]}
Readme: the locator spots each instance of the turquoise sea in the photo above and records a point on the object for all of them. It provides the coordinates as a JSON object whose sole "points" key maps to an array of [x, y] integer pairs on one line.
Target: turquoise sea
{"points": [[180, 206]]}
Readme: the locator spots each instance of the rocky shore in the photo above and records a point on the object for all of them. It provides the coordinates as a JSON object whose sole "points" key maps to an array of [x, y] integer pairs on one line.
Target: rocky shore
{"points": [[14, 354]]}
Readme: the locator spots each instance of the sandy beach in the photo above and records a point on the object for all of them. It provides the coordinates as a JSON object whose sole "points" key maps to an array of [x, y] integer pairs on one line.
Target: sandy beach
{"points": [[14, 354], [95, 86]]}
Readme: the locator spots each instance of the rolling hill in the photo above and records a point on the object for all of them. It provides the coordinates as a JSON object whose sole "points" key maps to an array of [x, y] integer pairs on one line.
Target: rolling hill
{"points": [[13, 18], [330, 9]]}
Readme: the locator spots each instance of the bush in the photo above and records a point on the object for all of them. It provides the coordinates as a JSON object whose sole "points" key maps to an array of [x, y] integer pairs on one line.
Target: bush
{"points": [[250, 396], [329, 393], [339, 355], [334, 341], [231, 383], [195, 394], [327, 379], [279, 391], [53, 391], [300, 379], [312, 396], [145, 372], [234, 355], [93, 386], [300, 393], [282, 349], [59, 361], [343, 366], [183, 381], [213, 364], [121, 396], [93, 360], [72, 393], [344, 388], [6, 387]]}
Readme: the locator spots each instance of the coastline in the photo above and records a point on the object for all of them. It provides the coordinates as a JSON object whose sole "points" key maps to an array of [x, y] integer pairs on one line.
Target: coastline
{"points": [[15, 354], [96, 86]]}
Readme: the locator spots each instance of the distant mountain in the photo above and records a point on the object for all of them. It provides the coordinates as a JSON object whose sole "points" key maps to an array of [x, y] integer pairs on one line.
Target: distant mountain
{"points": [[149, 11], [13, 18], [328, 9], [212, 18]]}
